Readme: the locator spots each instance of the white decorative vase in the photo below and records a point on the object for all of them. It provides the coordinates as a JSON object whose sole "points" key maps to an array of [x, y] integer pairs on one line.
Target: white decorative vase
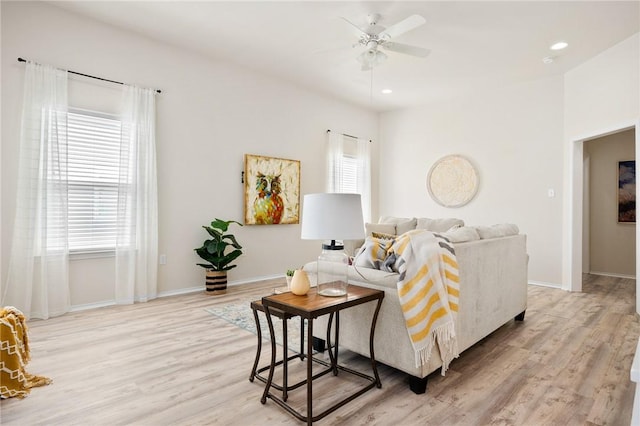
{"points": [[300, 284]]}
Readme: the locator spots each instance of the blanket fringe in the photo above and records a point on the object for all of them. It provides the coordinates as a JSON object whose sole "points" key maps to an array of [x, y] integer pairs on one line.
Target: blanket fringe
{"points": [[445, 336]]}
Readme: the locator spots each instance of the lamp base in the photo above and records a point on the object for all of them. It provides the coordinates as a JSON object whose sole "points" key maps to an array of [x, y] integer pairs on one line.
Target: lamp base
{"points": [[333, 264], [332, 290]]}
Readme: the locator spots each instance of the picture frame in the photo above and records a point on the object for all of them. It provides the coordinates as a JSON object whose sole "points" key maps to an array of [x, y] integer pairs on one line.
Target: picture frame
{"points": [[627, 192], [271, 190]]}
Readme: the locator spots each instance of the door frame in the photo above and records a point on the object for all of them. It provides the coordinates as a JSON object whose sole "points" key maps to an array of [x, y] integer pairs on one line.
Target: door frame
{"points": [[572, 269]]}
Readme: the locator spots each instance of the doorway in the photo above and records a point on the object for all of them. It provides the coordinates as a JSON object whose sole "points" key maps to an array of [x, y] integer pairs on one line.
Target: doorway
{"points": [[572, 275], [609, 235]]}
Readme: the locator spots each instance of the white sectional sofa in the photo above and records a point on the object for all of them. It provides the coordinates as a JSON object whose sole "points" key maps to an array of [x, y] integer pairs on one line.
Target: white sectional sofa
{"points": [[492, 264]]}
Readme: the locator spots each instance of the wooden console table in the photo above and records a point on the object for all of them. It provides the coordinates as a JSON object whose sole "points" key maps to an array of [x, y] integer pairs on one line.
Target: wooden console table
{"points": [[309, 307]]}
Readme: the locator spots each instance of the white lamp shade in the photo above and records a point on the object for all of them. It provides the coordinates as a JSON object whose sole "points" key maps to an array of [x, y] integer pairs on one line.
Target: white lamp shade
{"points": [[332, 217]]}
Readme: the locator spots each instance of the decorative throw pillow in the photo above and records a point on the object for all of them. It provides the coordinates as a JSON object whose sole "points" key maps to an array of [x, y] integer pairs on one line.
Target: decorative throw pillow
{"points": [[385, 228], [383, 236], [372, 253]]}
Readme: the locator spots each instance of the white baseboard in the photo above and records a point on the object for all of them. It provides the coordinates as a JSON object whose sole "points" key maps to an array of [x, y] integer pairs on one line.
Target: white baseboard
{"points": [[84, 307], [188, 290], [545, 284], [256, 279], [610, 274]]}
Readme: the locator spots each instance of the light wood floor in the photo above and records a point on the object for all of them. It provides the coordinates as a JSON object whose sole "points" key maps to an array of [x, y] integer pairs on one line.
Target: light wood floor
{"points": [[168, 362]]}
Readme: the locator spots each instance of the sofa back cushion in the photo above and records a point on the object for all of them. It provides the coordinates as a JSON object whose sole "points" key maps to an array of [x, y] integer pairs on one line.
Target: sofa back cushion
{"points": [[497, 231], [461, 234], [438, 225], [403, 224]]}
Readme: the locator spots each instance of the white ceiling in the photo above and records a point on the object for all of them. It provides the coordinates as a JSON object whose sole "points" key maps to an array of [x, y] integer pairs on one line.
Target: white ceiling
{"points": [[473, 44]]}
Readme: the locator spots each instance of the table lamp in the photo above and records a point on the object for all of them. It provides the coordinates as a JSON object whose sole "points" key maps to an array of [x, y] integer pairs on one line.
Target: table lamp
{"points": [[332, 216]]}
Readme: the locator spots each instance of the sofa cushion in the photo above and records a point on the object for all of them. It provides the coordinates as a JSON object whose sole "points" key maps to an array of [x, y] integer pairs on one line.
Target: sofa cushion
{"points": [[351, 247], [406, 226], [438, 225], [497, 231], [461, 234], [403, 224], [393, 219]]}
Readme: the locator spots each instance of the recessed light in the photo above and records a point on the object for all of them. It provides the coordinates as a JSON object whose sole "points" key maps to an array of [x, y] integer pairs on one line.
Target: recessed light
{"points": [[387, 91], [559, 45], [548, 59]]}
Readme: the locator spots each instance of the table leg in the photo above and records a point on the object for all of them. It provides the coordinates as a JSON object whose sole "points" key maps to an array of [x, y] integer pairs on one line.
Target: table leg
{"points": [[332, 357], [273, 355], [259, 350], [335, 366], [285, 358], [309, 371], [372, 356], [301, 338]]}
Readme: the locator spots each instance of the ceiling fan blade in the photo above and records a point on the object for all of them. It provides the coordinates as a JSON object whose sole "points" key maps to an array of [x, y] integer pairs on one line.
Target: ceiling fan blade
{"points": [[402, 27], [406, 49], [355, 29]]}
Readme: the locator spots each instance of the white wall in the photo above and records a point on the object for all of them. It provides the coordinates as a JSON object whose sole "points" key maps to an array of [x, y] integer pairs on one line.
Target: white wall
{"points": [[514, 138], [601, 96], [210, 114]]}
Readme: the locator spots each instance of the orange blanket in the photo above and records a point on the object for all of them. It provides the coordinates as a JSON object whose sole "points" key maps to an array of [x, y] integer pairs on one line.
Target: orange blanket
{"points": [[14, 356]]}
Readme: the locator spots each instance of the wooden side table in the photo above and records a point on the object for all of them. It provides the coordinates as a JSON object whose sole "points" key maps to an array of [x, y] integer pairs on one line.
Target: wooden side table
{"points": [[309, 307]]}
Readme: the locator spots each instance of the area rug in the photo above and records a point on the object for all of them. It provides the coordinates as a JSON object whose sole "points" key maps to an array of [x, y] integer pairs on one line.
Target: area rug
{"points": [[241, 315]]}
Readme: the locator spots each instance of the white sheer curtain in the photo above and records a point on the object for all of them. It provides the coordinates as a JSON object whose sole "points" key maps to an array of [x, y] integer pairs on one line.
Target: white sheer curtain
{"points": [[137, 239], [363, 160], [38, 273], [335, 160], [341, 158]]}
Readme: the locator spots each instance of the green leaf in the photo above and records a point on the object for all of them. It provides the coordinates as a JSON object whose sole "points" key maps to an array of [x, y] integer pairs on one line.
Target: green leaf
{"points": [[234, 243], [222, 225]]}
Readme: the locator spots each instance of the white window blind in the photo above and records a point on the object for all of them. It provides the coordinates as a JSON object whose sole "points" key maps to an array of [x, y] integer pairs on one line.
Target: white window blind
{"points": [[349, 182], [93, 170]]}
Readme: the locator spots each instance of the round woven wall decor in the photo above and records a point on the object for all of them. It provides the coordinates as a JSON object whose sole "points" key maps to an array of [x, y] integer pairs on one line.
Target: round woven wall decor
{"points": [[452, 181]]}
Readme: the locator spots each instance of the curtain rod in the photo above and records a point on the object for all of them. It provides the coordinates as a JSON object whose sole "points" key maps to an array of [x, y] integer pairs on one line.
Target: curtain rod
{"points": [[91, 76], [349, 136]]}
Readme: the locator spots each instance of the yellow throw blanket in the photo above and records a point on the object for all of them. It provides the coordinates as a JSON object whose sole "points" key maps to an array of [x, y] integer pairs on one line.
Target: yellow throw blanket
{"points": [[428, 288], [14, 356]]}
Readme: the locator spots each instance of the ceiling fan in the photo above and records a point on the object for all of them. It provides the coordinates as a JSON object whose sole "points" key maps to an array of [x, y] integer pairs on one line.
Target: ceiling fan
{"points": [[375, 36]]}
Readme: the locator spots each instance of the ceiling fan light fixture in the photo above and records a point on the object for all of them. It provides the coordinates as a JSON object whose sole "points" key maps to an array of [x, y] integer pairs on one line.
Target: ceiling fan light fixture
{"points": [[371, 58]]}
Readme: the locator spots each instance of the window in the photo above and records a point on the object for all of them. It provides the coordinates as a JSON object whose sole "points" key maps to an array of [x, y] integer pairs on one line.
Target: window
{"points": [[348, 168], [93, 172]]}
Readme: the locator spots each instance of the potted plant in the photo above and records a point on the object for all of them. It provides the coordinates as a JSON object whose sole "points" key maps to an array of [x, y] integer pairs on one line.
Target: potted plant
{"points": [[289, 276], [218, 251]]}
